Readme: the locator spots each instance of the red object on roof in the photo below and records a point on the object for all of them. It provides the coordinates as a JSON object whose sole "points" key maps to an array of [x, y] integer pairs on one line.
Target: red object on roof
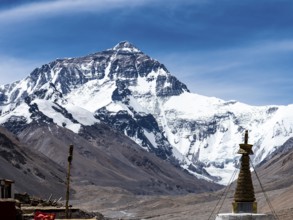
{"points": [[44, 216]]}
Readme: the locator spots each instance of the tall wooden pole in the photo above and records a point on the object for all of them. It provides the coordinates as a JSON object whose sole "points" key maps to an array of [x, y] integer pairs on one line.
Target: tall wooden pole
{"points": [[68, 180]]}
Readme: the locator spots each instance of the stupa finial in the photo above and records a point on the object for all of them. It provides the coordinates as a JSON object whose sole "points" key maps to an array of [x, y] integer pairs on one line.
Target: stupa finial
{"points": [[246, 137]]}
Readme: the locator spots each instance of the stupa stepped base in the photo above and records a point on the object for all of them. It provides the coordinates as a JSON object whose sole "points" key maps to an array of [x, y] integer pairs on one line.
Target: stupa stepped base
{"points": [[244, 216]]}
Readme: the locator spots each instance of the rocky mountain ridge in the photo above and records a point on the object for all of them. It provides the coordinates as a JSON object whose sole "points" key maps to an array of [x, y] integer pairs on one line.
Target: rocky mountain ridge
{"points": [[136, 95]]}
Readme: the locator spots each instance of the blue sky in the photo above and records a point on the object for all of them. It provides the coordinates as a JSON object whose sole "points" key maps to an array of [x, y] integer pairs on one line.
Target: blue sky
{"points": [[230, 49]]}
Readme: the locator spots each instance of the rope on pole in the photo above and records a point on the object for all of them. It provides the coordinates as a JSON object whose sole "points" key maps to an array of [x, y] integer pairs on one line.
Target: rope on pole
{"points": [[265, 194], [231, 180], [224, 194]]}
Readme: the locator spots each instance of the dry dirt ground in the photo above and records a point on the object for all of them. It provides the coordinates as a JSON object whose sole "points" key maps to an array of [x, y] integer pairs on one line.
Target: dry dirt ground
{"points": [[117, 204]]}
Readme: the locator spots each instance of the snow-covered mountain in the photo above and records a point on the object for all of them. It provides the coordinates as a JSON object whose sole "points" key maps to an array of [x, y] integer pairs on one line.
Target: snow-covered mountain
{"points": [[135, 94]]}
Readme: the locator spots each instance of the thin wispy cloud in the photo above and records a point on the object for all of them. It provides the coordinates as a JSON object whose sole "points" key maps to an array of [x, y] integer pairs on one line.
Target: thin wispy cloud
{"points": [[253, 74], [51, 8], [57, 7], [226, 59]]}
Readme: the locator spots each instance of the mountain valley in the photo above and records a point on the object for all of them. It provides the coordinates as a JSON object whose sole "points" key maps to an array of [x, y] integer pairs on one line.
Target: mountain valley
{"points": [[144, 145]]}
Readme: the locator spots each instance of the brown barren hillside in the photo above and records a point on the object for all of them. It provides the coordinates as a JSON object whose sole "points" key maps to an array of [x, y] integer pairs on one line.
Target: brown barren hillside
{"points": [[275, 175]]}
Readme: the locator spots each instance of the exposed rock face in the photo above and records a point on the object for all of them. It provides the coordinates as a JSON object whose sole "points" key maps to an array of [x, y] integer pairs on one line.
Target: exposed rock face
{"points": [[135, 127], [135, 94], [124, 64]]}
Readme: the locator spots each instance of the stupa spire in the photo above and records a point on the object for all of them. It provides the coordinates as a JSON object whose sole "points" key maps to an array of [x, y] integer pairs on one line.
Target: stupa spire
{"points": [[244, 204], [244, 197]]}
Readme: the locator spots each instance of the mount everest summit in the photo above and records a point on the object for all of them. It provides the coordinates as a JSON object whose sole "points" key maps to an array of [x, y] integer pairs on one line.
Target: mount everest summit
{"points": [[136, 95]]}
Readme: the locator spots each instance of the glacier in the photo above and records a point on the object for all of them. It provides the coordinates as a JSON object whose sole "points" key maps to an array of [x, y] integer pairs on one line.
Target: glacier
{"points": [[137, 95]]}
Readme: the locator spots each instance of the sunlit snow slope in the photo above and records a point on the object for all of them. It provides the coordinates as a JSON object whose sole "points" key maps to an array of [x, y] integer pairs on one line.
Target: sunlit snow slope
{"points": [[136, 95]]}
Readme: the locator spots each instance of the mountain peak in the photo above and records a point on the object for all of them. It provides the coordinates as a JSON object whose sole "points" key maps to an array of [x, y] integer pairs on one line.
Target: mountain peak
{"points": [[126, 46]]}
